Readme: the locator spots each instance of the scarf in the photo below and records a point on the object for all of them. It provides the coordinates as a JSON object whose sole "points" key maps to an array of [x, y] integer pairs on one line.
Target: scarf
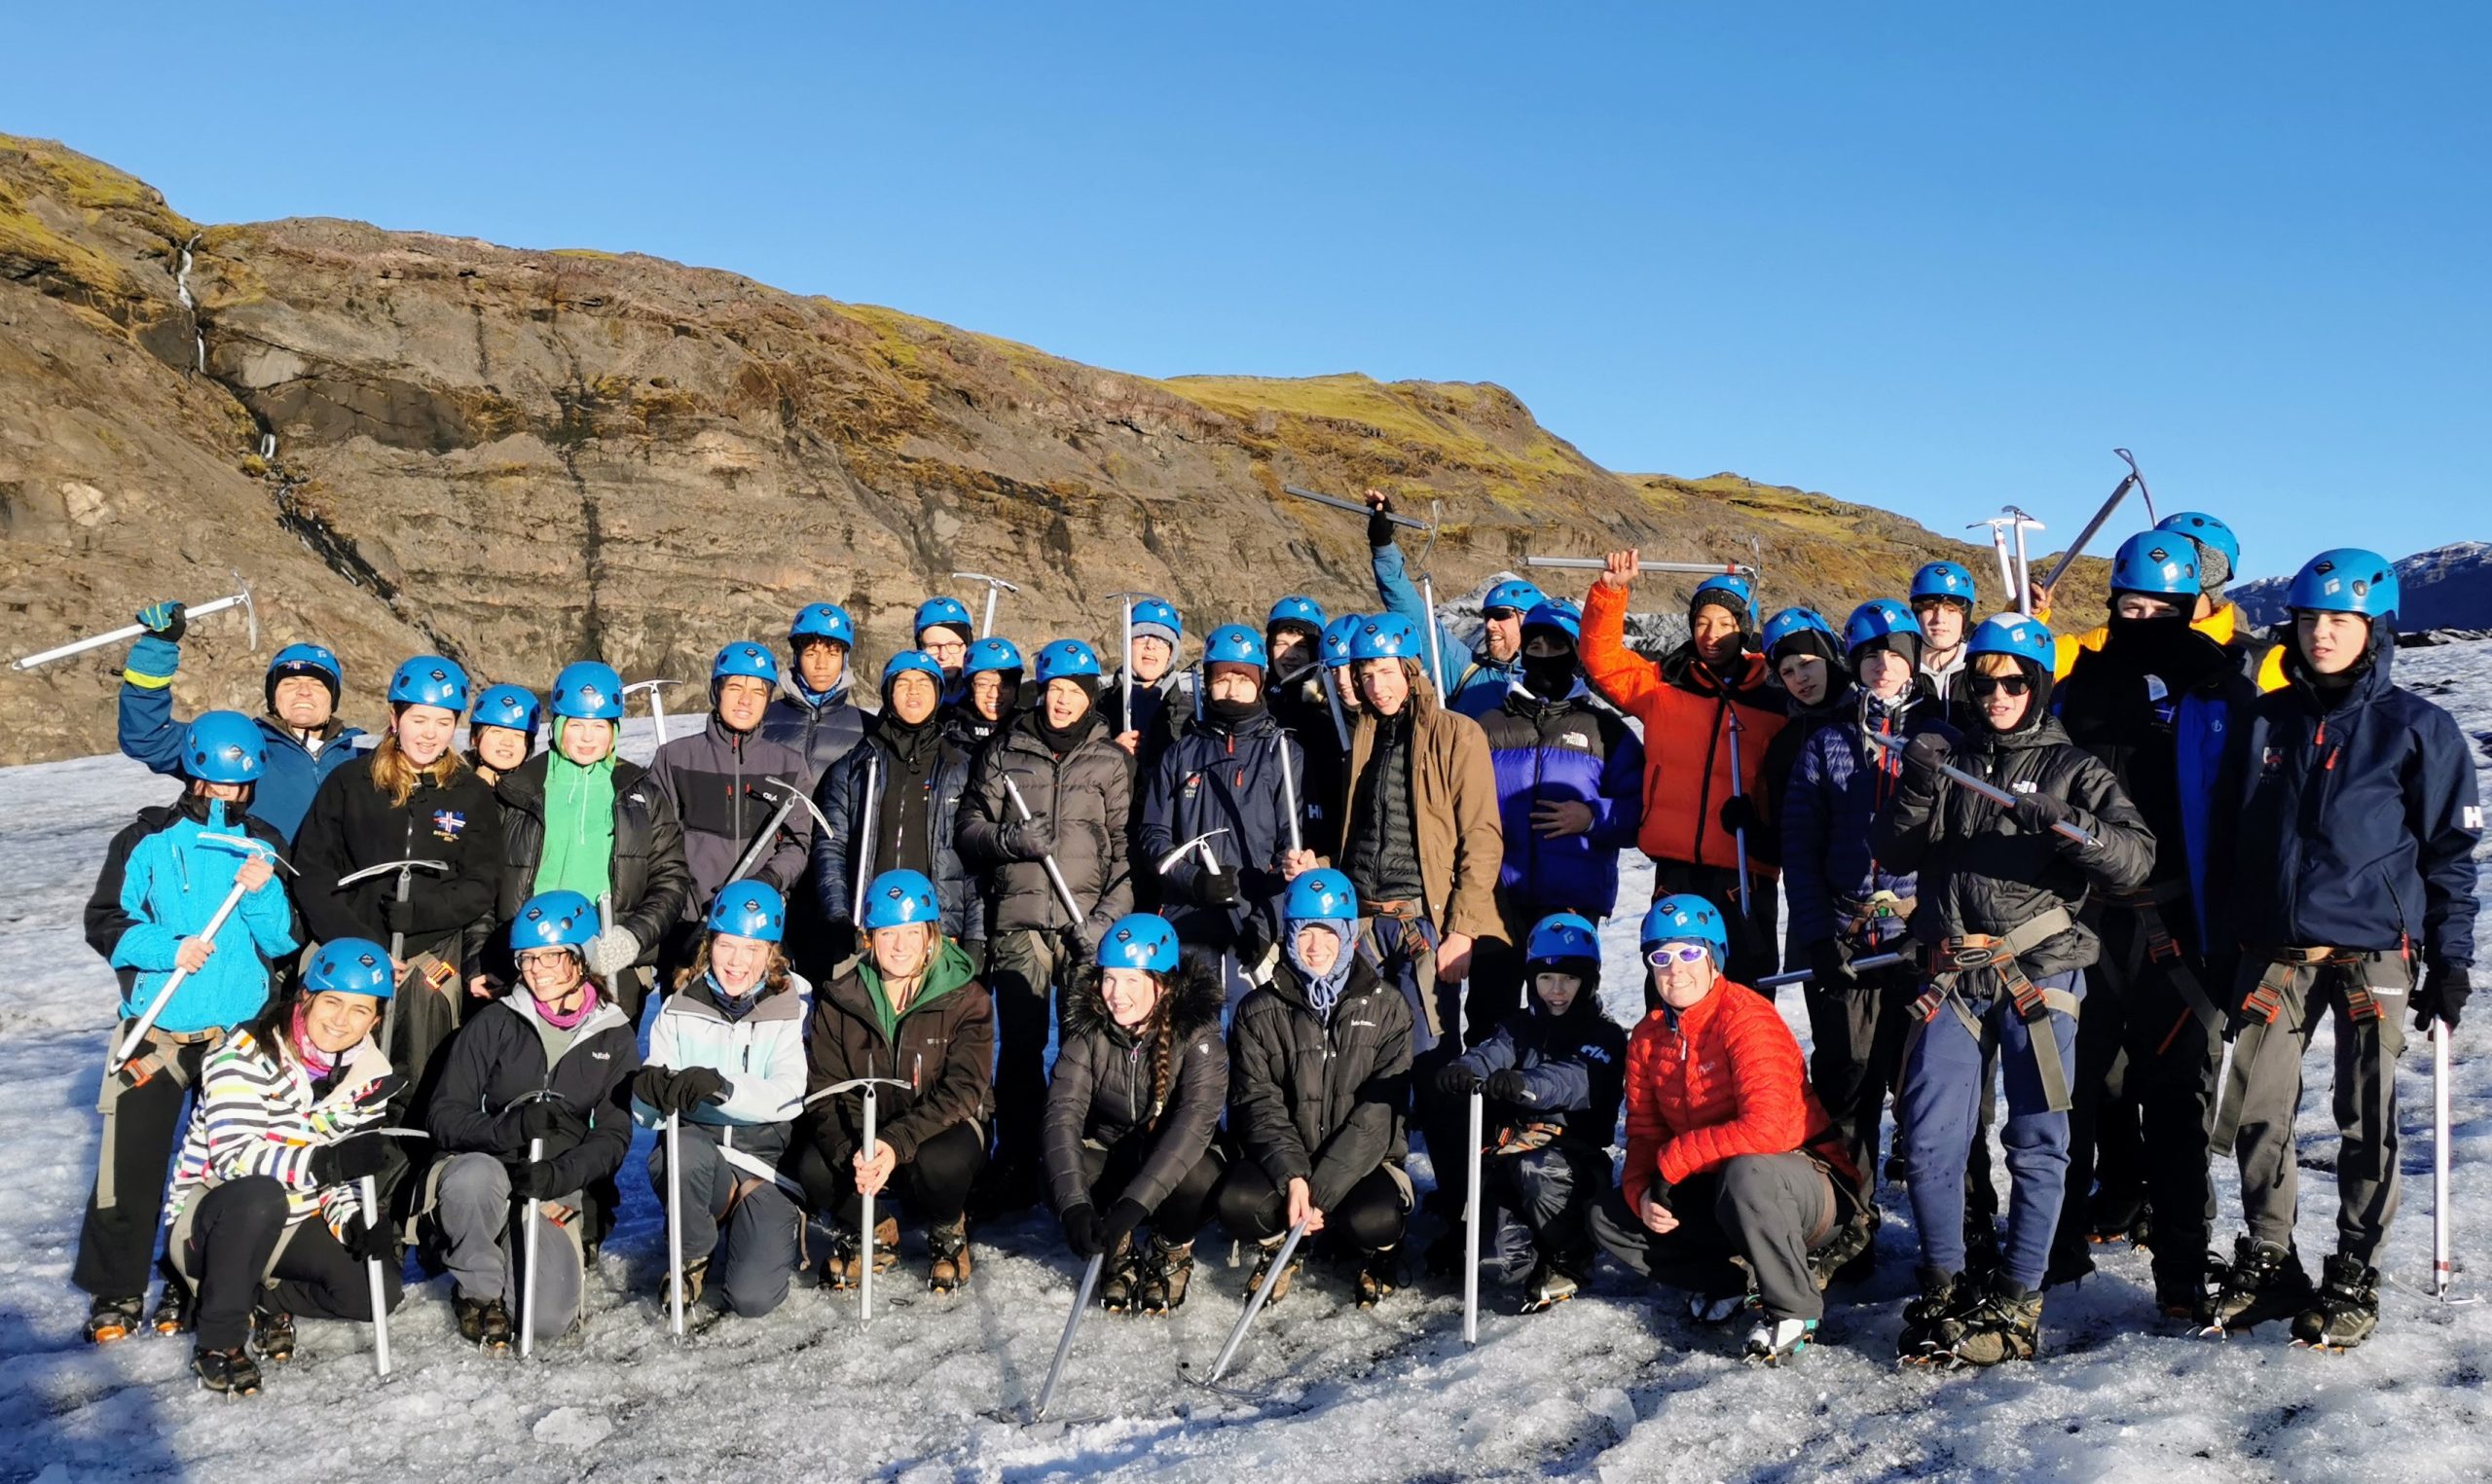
{"points": [[579, 853], [1062, 743], [1324, 990], [319, 1064], [572, 1021], [735, 1007]]}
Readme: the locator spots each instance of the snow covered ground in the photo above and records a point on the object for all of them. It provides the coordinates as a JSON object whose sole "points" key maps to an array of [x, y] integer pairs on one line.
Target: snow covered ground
{"points": [[1616, 1386]]}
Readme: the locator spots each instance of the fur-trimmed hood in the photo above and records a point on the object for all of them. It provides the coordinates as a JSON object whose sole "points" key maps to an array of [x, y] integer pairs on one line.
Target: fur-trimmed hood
{"points": [[1196, 999]]}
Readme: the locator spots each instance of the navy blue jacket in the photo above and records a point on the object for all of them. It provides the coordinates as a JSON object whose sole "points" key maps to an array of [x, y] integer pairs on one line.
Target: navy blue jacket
{"points": [[841, 798], [2354, 818], [1569, 751], [1830, 810], [283, 794], [1218, 776], [1573, 1065]]}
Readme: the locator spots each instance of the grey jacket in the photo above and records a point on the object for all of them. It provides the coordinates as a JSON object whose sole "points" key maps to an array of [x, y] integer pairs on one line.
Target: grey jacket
{"points": [[713, 778]]}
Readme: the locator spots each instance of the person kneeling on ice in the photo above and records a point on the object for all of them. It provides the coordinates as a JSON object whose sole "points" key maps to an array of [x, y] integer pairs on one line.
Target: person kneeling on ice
{"points": [[285, 1129], [727, 1058], [533, 1106], [1319, 1080], [164, 878], [1731, 1161], [1552, 1076], [910, 1010], [2003, 957], [1141, 1076]]}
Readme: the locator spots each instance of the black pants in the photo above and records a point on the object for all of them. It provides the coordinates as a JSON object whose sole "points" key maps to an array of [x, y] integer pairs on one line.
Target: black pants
{"points": [[1856, 1049], [117, 1241], [1369, 1219], [935, 1185], [1752, 933], [1766, 1209], [1024, 969], [232, 1234], [1180, 1213]]}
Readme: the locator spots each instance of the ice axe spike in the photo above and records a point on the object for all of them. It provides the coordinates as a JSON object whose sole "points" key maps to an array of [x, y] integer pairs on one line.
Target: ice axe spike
{"points": [[994, 584], [241, 599]]}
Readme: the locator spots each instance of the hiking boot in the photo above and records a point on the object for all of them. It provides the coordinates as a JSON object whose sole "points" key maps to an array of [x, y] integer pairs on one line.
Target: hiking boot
{"points": [[2262, 1281], [1846, 1256], [1120, 1276], [176, 1308], [482, 1322], [1548, 1286], [2180, 1284], [1271, 1248], [949, 1246], [2347, 1309], [2119, 1216], [271, 1334], [1379, 1275], [1773, 1341], [227, 1372], [842, 1270], [1942, 1297], [1164, 1276], [2005, 1325], [695, 1274], [112, 1318]]}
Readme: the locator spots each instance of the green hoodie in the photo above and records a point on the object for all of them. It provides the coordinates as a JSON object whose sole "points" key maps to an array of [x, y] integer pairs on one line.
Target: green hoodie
{"points": [[579, 824], [950, 970]]}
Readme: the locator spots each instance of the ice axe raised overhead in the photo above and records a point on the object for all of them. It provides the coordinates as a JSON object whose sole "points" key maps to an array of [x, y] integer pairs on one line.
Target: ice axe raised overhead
{"points": [[1689, 569], [994, 584], [241, 599]]}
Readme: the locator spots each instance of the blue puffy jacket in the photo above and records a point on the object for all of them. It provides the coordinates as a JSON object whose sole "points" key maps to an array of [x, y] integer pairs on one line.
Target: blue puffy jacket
{"points": [[150, 734], [1573, 1065], [1222, 776], [1829, 810], [1576, 751], [1471, 683], [161, 883], [2352, 818]]}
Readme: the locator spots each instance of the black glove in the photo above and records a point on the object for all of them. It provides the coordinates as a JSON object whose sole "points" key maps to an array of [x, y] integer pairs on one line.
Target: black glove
{"points": [[366, 1242], [534, 1180], [1122, 1219], [1508, 1086], [1379, 527], [696, 1087], [166, 621], [2037, 813], [1830, 965], [349, 1159], [1738, 812], [397, 915], [1925, 755], [1214, 889], [1082, 1230], [1456, 1081], [1031, 838], [553, 1122], [2442, 995]]}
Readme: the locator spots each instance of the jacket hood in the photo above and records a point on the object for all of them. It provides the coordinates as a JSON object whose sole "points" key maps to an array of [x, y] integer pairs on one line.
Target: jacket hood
{"points": [[1746, 678], [1195, 1000], [1290, 988], [861, 989]]}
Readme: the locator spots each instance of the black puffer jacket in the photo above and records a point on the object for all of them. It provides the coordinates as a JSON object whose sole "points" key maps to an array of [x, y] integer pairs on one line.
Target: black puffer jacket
{"points": [[823, 731], [841, 798], [502, 1054], [353, 825], [1087, 794], [651, 881], [1981, 872], [1321, 1098], [1101, 1091]]}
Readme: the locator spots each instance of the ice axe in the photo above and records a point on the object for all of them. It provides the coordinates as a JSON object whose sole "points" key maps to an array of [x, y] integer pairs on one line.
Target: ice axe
{"points": [[241, 599], [865, 1202], [2138, 473], [873, 824], [1124, 670], [657, 702], [1991, 791], [2443, 1262], [1355, 507], [1687, 568], [2067, 559], [1803, 975], [790, 798], [1471, 1226], [216, 923], [1288, 796], [530, 1241], [1202, 843], [1055, 877], [1064, 1343], [994, 584], [2021, 523], [1739, 835], [405, 870], [1998, 543], [368, 1191], [1254, 1305]]}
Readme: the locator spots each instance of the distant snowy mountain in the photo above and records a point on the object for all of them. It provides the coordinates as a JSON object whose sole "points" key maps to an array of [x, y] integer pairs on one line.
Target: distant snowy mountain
{"points": [[2448, 587]]}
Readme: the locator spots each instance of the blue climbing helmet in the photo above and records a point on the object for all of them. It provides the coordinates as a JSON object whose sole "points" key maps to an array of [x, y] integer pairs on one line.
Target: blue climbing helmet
{"points": [[2345, 580], [2157, 563], [1726, 590], [1141, 940], [1234, 644], [944, 613], [1298, 611], [313, 659], [1558, 614], [1562, 936], [589, 690], [900, 898], [2214, 539], [1320, 895], [1513, 592], [1804, 631], [1158, 613], [429, 680], [1881, 622], [1686, 919], [1385, 637], [350, 966], [822, 621], [747, 659], [2013, 635], [1945, 581], [908, 659], [553, 920], [1338, 637], [224, 747], [511, 707], [1068, 659], [990, 654], [749, 909]]}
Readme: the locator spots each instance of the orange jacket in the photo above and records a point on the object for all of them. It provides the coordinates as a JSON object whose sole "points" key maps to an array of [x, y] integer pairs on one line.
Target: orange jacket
{"points": [[1686, 716], [1715, 1081]]}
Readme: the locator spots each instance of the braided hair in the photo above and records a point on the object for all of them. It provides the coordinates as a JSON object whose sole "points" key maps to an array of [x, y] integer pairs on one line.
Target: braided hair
{"points": [[1161, 1028]]}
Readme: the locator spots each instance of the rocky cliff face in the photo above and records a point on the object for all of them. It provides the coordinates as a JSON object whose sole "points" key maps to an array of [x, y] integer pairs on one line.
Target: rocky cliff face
{"points": [[2448, 587], [522, 458]]}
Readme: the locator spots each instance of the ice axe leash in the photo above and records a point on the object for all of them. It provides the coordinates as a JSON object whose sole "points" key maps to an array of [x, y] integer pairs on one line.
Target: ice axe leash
{"points": [[241, 599]]}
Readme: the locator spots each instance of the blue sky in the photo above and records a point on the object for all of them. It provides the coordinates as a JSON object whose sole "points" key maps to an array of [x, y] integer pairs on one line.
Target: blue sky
{"points": [[1926, 257]]}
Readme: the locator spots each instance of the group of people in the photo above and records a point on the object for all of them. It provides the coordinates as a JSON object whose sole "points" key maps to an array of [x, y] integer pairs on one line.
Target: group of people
{"points": [[1274, 913]]}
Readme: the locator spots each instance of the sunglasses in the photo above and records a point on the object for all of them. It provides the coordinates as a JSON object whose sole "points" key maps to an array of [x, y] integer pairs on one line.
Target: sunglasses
{"points": [[1677, 953], [2014, 685]]}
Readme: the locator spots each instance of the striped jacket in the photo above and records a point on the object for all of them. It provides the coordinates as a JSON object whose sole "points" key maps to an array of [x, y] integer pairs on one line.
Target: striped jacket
{"points": [[256, 1115]]}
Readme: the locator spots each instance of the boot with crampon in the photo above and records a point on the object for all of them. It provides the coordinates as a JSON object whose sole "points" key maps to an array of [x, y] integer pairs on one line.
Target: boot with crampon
{"points": [[2262, 1281], [2347, 1309]]}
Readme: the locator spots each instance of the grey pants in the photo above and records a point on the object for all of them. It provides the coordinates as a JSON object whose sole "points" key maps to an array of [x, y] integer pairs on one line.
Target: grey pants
{"points": [[2364, 1099], [1546, 1192], [473, 1206], [1024, 968], [744, 1224], [1767, 1209]]}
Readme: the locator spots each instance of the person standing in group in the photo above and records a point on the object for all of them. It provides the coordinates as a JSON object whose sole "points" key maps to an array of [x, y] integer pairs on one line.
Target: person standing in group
{"points": [[816, 713], [918, 775], [991, 679], [944, 631], [1807, 660], [1474, 678], [1943, 596], [1297, 688], [501, 730], [728, 782]]}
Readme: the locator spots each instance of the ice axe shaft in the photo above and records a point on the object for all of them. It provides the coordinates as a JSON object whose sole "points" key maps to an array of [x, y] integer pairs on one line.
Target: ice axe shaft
{"points": [[1471, 1226], [1354, 507], [1435, 655], [675, 1223], [1689, 569], [1064, 1343], [528, 1294], [994, 584], [1055, 877], [1288, 796], [2021, 523], [768, 838], [2093, 528], [1999, 544], [1803, 975], [1738, 785], [1991, 791], [1333, 703], [240, 599], [368, 1190], [2443, 1261], [873, 823], [1254, 1305]]}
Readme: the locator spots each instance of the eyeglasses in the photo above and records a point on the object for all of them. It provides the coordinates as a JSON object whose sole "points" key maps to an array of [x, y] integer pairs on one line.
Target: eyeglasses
{"points": [[1677, 953], [544, 958], [2014, 685]]}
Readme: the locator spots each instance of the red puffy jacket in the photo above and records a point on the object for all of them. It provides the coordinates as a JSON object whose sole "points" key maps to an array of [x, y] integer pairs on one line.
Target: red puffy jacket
{"points": [[1724, 1079]]}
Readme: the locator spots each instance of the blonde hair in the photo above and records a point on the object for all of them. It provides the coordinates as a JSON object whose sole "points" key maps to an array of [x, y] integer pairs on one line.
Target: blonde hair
{"points": [[774, 978], [395, 774], [1996, 664]]}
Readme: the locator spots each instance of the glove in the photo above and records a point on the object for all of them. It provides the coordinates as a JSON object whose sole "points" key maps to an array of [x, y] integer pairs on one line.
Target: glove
{"points": [[365, 1242], [1032, 839], [694, 1087], [554, 1123], [1456, 1081], [1659, 1193], [1122, 1219], [2037, 813], [1082, 1230], [349, 1159], [1379, 529], [1830, 965], [534, 1180], [1738, 812], [612, 952], [370, 1100], [2442, 995], [166, 621], [1219, 891], [1508, 1086], [1924, 756]]}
